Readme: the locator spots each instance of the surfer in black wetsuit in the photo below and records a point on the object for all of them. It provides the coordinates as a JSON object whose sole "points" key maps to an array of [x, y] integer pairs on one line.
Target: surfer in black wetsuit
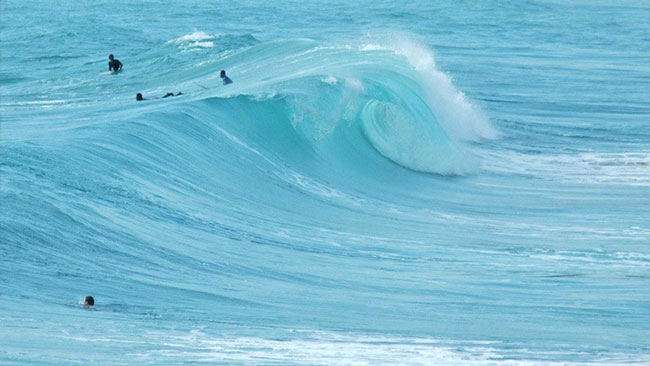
{"points": [[139, 96], [226, 80], [114, 65], [89, 301]]}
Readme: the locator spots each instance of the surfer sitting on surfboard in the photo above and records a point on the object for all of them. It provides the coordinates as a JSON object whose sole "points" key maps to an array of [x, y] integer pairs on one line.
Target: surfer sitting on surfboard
{"points": [[226, 80], [114, 65]]}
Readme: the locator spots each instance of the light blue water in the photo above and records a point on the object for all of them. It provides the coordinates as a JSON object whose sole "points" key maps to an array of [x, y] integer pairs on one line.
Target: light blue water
{"points": [[430, 183]]}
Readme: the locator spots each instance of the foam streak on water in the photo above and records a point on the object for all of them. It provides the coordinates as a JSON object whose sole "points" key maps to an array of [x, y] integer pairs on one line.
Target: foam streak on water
{"points": [[434, 183]]}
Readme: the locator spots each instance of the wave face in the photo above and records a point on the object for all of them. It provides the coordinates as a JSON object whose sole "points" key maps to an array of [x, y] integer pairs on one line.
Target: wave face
{"points": [[349, 199], [392, 100]]}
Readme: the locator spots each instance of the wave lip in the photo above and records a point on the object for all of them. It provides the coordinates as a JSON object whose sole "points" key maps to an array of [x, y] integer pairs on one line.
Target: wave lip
{"points": [[458, 116]]}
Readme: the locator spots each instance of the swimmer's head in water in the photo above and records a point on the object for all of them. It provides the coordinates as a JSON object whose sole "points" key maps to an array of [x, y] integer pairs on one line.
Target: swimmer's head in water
{"points": [[110, 57], [89, 301], [138, 97], [223, 73]]}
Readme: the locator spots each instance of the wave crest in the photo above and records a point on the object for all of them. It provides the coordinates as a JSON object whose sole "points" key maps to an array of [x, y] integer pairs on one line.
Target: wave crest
{"points": [[389, 97]]}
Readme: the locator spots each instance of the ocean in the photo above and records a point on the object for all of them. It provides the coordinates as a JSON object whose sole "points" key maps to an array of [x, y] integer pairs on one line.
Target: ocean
{"points": [[383, 183]]}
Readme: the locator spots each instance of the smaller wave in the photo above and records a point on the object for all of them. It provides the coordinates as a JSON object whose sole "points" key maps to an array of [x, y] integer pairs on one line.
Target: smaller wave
{"points": [[196, 39], [201, 39]]}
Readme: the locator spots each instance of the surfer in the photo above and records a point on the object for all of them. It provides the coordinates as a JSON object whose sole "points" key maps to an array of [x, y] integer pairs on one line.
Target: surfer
{"points": [[114, 64], [226, 80], [89, 301], [139, 97]]}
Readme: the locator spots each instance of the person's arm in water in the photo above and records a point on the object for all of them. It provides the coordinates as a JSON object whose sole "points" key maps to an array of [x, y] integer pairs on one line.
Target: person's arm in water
{"points": [[119, 65]]}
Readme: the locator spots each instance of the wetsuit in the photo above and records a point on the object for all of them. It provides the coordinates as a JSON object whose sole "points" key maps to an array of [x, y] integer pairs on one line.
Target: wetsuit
{"points": [[226, 80], [114, 65], [171, 95]]}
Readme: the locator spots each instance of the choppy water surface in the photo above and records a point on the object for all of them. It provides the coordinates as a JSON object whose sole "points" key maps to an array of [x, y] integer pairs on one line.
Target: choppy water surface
{"points": [[431, 183]]}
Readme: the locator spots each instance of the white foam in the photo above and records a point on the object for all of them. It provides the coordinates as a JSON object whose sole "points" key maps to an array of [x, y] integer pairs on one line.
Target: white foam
{"points": [[330, 80], [321, 348], [371, 47], [631, 168], [203, 44], [39, 102], [194, 37], [315, 187], [354, 84], [195, 40]]}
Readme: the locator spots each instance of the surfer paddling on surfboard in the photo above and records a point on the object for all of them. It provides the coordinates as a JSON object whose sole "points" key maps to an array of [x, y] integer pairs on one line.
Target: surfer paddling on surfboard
{"points": [[139, 96], [114, 65]]}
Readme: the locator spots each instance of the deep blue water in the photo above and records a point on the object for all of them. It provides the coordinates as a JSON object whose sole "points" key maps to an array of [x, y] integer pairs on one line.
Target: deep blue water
{"points": [[429, 183]]}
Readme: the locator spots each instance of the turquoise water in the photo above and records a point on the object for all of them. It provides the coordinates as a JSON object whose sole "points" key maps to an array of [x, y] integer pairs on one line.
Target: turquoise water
{"points": [[430, 183]]}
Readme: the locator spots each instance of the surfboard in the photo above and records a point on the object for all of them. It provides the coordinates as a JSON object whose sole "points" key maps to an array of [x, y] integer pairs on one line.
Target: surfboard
{"points": [[204, 87]]}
